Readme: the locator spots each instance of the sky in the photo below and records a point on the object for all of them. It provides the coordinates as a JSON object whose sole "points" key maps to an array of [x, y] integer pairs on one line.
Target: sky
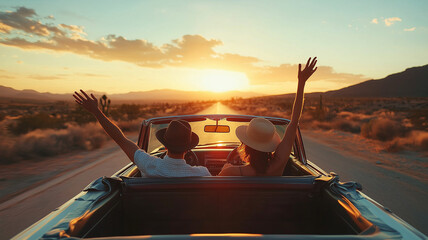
{"points": [[123, 46]]}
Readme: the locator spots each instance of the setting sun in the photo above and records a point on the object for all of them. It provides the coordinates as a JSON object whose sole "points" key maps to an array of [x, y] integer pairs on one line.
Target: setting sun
{"points": [[222, 81]]}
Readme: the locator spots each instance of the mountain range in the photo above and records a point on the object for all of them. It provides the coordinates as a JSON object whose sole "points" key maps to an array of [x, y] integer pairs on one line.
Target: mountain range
{"points": [[413, 82], [161, 95]]}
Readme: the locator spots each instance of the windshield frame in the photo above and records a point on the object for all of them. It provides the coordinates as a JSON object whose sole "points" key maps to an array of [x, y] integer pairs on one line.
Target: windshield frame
{"points": [[145, 129]]}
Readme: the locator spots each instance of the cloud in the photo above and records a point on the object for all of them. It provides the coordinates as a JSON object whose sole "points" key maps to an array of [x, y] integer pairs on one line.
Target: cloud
{"points": [[410, 29], [7, 77], [65, 76], [89, 75], [288, 72], [46, 77], [76, 32], [24, 19], [390, 21], [4, 28], [24, 29], [191, 49]]}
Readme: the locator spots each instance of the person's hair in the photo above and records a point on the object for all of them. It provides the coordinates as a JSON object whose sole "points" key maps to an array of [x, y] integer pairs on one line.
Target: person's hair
{"points": [[258, 160], [175, 152]]}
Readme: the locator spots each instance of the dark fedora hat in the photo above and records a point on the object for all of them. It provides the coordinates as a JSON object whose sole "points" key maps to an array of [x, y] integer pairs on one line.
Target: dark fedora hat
{"points": [[178, 136]]}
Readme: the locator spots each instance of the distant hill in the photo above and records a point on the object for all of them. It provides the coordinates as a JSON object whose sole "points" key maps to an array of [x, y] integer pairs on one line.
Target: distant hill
{"points": [[27, 94], [413, 82], [162, 95]]}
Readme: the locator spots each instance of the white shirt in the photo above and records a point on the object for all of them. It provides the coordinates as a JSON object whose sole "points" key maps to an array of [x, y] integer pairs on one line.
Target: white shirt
{"points": [[151, 166]]}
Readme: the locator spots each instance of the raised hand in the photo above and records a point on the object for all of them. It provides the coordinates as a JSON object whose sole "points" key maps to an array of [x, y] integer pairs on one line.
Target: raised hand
{"points": [[89, 103], [307, 71]]}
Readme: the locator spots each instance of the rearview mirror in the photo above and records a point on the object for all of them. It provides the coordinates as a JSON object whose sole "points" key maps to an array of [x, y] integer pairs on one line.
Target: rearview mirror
{"points": [[217, 128]]}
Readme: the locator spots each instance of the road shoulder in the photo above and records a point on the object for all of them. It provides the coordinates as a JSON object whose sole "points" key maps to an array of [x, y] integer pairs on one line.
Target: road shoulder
{"points": [[412, 164], [24, 176]]}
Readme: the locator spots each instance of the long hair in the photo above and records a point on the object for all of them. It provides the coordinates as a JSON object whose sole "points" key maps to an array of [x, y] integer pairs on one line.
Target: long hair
{"points": [[258, 160]]}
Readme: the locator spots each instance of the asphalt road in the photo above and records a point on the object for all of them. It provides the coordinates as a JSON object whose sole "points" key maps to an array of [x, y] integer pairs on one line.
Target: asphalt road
{"points": [[403, 194], [218, 108], [406, 196], [26, 209]]}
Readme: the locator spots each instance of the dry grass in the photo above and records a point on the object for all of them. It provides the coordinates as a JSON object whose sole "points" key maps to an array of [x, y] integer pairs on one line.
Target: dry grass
{"points": [[27, 132], [49, 142], [382, 129], [130, 126], [414, 140]]}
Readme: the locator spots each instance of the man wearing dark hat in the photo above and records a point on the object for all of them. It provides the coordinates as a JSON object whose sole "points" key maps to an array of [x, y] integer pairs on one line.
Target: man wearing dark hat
{"points": [[177, 138]]}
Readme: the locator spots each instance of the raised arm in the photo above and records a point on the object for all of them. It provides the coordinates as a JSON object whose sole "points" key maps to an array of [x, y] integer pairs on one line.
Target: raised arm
{"points": [[91, 104], [283, 150]]}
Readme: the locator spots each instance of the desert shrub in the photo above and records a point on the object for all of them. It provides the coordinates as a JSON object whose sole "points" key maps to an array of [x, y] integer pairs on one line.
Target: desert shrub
{"points": [[41, 120], [420, 139], [6, 142], [336, 124], [287, 104], [316, 113], [50, 142], [126, 112], [130, 126], [43, 143], [320, 125], [415, 140], [80, 116], [346, 126], [418, 118], [91, 135], [6, 150], [354, 116], [382, 129]]}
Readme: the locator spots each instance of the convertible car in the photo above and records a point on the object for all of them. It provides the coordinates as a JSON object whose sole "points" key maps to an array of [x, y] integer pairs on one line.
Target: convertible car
{"points": [[304, 203]]}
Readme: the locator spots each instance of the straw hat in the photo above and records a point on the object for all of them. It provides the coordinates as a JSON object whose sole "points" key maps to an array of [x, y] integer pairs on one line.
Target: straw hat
{"points": [[260, 135], [178, 136]]}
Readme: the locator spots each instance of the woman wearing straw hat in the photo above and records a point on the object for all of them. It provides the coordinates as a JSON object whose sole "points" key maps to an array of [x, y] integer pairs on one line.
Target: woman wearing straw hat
{"points": [[261, 145]]}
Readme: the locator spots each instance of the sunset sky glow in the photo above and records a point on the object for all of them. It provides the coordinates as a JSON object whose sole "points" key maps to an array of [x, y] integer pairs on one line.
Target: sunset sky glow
{"points": [[123, 46]]}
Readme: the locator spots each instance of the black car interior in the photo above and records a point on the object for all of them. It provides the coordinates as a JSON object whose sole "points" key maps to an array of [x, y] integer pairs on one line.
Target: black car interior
{"points": [[262, 205]]}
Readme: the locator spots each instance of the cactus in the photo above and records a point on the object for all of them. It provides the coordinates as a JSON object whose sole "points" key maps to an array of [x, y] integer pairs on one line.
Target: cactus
{"points": [[105, 104], [320, 111]]}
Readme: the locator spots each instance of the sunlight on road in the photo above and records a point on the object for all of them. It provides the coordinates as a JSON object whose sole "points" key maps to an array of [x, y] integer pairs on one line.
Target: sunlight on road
{"points": [[198, 127], [218, 108]]}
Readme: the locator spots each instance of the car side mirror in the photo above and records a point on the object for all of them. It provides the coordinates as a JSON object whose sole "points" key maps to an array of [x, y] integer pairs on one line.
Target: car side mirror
{"points": [[217, 128]]}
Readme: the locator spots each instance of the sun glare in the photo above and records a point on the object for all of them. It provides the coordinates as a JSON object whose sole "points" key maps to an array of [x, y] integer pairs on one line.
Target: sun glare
{"points": [[222, 81]]}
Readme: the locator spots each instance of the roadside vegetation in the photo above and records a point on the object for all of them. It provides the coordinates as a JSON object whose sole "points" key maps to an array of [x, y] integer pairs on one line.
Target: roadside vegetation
{"points": [[30, 132], [397, 123]]}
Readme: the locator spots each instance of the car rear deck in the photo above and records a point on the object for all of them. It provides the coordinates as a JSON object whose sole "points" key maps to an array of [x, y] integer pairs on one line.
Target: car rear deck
{"points": [[219, 205]]}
